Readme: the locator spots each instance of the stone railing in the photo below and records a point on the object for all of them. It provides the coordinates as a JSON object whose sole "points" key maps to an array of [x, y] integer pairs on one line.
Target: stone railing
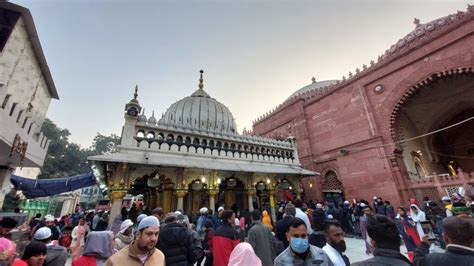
{"points": [[184, 149], [443, 180]]}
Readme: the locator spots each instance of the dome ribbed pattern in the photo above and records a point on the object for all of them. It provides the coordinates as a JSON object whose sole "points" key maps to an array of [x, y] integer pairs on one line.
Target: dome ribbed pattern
{"points": [[199, 111]]}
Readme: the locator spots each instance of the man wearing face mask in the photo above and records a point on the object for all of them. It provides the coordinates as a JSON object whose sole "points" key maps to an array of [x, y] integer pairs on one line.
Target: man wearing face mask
{"points": [[335, 243], [300, 252]]}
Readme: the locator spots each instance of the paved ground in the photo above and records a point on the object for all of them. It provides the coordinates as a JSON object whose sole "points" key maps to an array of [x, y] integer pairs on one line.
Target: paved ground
{"points": [[355, 250]]}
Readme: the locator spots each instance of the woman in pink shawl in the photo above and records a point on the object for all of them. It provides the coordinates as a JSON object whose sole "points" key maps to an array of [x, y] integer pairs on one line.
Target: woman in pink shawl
{"points": [[78, 238], [243, 255]]}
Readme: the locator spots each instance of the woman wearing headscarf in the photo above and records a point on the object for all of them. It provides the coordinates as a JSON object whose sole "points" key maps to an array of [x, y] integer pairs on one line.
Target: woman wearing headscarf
{"points": [[78, 238], [266, 220], [243, 254], [407, 228], [418, 216], [7, 251], [99, 247]]}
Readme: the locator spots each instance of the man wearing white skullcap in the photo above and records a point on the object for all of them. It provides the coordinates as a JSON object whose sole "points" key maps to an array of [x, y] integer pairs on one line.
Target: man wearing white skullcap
{"points": [[124, 236], [142, 250], [57, 255], [201, 221]]}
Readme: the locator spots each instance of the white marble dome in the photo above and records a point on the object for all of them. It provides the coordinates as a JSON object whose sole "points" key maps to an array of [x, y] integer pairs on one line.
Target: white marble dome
{"points": [[199, 111], [314, 85]]}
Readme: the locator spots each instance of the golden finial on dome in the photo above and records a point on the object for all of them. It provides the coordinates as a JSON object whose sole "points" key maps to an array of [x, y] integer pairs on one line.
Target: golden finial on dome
{"points": [[313, 79], [416, 22], [201, 80], [135, 95]]}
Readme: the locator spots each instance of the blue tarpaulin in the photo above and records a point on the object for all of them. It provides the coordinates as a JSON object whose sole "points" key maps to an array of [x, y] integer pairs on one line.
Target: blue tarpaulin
{"points": [[35, 188]]}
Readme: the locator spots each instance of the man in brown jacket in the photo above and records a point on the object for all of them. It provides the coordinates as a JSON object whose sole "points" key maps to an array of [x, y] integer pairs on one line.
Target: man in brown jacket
{"points": [[142, 250]]}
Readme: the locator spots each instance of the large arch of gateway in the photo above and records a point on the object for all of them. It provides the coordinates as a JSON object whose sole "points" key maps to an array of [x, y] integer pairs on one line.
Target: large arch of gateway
{"points": [[433, 126]]}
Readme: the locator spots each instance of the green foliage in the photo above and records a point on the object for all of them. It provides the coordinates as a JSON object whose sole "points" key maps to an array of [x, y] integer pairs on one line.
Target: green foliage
{"points": [[65, 158]]}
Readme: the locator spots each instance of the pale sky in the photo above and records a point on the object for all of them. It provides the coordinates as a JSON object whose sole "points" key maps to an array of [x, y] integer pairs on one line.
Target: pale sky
{"points": [[254, 53]]}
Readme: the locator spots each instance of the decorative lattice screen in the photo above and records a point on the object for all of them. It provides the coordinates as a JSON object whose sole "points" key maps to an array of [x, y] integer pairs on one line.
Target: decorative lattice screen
{"points": [[331, 182], [452, 189]]}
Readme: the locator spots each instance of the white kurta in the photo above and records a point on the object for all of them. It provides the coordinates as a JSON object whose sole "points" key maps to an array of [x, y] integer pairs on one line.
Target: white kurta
{"points": [[303, 216], [334, 255], [418, 218]]}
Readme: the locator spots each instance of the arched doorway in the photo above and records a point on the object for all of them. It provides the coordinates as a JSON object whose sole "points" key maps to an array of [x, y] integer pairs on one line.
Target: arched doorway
{"points": [[197, 197], [232, 194], [285, 190], [442, 104], [332, 188]]}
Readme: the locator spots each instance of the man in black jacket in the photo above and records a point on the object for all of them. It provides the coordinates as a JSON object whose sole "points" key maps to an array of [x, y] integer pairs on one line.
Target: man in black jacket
{"points": [[283, 225], [459, 235], [386, 241], [176, 243]]}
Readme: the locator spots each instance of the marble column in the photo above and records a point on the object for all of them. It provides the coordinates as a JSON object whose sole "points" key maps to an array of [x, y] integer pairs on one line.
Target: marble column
{"points": [[180, 194], [271, 194], [250, 194], [116, 197], [212, 199]]}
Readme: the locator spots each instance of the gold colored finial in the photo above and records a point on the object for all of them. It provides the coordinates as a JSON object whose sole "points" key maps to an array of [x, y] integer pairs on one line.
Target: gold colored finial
{"points": [[313, 79], [135, 95], [201, 80], [416, 22]]}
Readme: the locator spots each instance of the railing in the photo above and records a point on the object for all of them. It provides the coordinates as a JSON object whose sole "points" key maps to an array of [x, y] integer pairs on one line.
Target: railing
{"points": [[443, 180], [214, 152]]}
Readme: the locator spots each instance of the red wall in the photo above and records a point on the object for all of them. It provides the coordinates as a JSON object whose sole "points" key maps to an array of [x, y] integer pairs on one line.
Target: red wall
{"points": [[352, 116]]}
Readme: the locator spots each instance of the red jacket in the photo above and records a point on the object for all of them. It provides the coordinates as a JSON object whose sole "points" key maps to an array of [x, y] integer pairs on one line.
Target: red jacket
{"points": [[84, 261], [210, 239], [224, 241]]}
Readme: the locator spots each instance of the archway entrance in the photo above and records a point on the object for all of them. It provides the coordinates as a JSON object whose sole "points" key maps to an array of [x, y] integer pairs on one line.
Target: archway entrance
{"points": [[232, 194], [285, 190], [332, 188], [196, 197], [443, 101]]}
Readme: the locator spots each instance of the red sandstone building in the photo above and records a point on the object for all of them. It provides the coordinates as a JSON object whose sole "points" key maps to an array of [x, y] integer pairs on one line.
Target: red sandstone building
{"points": [[375, 132]]}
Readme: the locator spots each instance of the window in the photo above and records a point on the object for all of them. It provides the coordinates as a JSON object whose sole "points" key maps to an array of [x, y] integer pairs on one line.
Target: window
{"points": [[19, 115], [5, 101], [13, 108]]}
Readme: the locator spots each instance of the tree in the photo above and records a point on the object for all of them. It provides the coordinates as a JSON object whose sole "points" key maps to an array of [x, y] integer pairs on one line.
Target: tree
{"points": [[104, 144], [65, 158]]}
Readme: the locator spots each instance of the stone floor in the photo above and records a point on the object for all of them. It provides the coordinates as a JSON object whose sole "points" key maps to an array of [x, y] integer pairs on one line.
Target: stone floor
{"points": [[355, 250]]}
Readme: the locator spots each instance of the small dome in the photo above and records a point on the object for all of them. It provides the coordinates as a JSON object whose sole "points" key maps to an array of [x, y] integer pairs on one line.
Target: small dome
{"points": [[200, 111], [152, 119], [313, 86], [142, 117]]}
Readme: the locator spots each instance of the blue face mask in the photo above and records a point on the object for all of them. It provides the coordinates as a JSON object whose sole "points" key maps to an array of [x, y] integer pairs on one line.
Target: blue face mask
{"points": [[299, 245]]}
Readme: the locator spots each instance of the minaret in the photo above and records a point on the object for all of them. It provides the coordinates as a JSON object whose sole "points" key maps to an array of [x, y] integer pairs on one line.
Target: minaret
{"points": [[132, 109]]}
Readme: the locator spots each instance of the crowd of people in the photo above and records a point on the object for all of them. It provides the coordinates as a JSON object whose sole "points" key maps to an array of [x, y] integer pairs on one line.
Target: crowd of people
{"points": [[295, 233]]}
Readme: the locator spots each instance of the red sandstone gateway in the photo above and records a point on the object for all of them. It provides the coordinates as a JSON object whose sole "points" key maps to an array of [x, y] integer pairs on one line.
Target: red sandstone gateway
{"points": [[397, 128]]}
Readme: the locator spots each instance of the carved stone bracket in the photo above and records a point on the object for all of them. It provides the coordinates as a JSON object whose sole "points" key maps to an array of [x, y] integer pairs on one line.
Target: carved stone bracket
{"points": [[180, 193], [118, 194]]}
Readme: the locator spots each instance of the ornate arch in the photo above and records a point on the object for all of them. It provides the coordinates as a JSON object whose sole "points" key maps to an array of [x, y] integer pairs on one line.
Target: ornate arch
{"points": [[395, 126], [330, 180]]}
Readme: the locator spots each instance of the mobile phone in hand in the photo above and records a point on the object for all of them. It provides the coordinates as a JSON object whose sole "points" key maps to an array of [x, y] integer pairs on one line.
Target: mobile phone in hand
{"points": [[428, 230]]}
